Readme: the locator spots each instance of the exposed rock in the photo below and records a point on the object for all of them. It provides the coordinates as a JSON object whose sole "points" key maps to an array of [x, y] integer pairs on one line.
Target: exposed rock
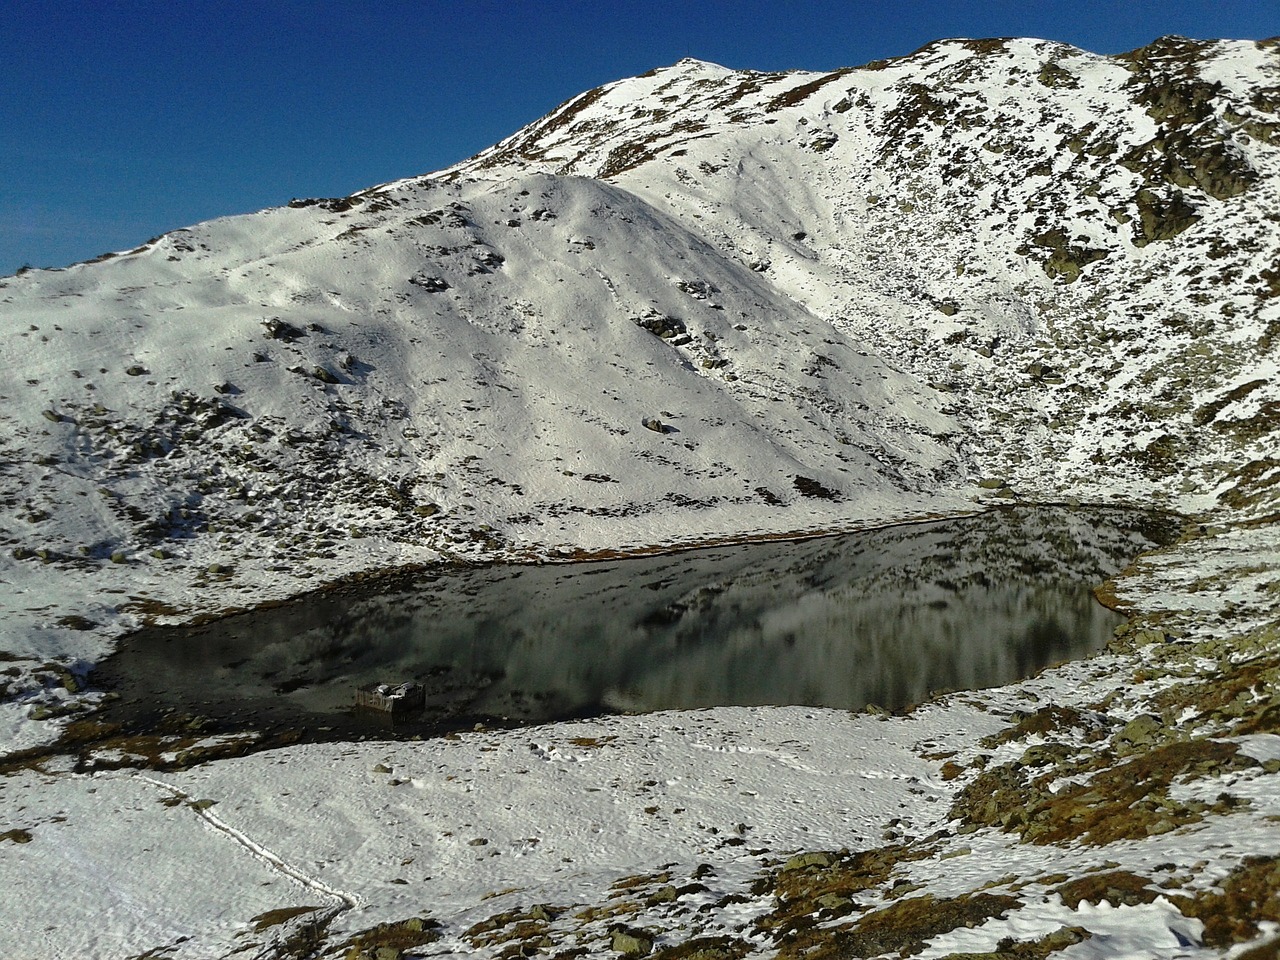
{"points": [[662, 326], [1140, 733], [278, 329], [429, 283], [1067, 257], [1055, 77], [809, 487], [802, 861], [1162, 218], [631, 943]]}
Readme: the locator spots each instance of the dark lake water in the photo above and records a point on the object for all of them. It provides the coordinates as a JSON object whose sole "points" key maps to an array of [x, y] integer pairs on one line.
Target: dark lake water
{"points": [[886, 617]]}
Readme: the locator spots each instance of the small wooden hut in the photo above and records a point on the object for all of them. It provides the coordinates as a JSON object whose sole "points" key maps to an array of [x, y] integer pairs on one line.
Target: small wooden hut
{"points": [[391, 698]]}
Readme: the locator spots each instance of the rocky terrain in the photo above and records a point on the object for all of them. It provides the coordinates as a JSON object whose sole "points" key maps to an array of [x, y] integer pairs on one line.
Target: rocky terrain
{"points": [[706, 305]]}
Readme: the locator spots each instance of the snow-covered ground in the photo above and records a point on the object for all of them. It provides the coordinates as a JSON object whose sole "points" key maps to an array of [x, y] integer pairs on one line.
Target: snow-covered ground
{"points": [[695, 306], [694, 824]]}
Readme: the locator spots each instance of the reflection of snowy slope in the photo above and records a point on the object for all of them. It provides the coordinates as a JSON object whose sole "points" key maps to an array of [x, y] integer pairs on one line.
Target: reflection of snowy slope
{"points": [[880, 617]]}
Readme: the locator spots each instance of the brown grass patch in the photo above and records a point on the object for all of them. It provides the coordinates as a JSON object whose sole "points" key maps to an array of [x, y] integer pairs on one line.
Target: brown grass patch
{"points": [[272, 918], [1125, 801], [817, 886], [1249, 894], [400, 935], [1049, 719], [903, 927], [1117, 887], [1010, 949]]}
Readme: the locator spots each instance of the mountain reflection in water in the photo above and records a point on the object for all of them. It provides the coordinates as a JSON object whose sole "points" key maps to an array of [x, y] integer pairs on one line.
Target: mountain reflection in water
{"points": [[884, 616]]}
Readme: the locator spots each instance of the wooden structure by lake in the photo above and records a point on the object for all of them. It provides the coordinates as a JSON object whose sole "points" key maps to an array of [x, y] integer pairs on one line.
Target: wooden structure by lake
{"points": [[392, 698]]}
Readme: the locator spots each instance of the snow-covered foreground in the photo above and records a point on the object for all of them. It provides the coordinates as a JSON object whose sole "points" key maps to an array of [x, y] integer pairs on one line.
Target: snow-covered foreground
{"points": [[551, 815], [696, 306]]}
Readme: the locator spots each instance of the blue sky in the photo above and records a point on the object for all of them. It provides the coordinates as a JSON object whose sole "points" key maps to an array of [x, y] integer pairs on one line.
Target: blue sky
{"points": [[121, 119]]}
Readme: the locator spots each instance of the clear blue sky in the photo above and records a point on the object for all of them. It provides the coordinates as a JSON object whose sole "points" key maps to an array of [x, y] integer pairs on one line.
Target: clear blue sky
{"points": [[121, 119]]}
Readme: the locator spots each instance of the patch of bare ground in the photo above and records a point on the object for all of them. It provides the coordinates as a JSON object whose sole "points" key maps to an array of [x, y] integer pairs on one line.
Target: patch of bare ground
{"points": [[181, 743], [813, 891], [515, 933], [706, 948], [1125, 800], [1048, 720], [388, 941], [1232, 911], [1234, 694], [1116, 887], [817, 886], [904, 927]]}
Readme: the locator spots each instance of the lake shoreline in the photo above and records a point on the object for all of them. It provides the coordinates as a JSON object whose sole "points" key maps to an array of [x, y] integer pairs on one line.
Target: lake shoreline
{"points": [[483, 678]]}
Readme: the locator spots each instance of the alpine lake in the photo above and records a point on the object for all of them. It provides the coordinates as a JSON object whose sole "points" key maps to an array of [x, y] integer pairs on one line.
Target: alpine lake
{"points": [[887, 617]]}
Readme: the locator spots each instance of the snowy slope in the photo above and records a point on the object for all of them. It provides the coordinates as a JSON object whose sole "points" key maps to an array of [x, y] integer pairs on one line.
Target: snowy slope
{"points": [[302, 393], [1079, 251]]}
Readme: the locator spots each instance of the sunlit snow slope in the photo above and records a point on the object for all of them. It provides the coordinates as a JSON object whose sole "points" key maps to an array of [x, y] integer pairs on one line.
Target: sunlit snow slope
{"points": [[691, 305]]}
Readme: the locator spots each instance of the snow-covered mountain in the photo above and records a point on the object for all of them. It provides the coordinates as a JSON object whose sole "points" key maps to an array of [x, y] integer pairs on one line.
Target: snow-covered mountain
{"points": [[691, 307], [694, 305], [1078, 252]]}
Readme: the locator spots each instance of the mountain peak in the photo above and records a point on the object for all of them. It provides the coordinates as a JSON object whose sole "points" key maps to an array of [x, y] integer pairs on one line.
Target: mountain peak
{"points": [[689, 65], [693, 63]]}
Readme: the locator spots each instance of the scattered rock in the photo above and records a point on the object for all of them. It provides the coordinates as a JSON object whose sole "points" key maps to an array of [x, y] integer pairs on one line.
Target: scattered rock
{"points": [[430, 284], [631, 943], [1140, 733], [803, 861], [278, 329], [809, 487]]}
